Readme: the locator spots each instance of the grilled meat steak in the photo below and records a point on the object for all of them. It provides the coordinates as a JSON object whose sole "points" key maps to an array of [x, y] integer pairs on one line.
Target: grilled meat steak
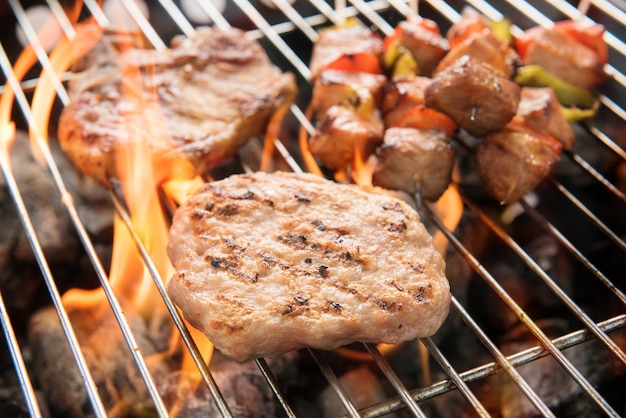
{"points": [[478, 97], [340, 41], [513, 161], [199, 101], [333, 87], [565, 58], [268, 263], [341, 132], [415, 159], [539, 108]]}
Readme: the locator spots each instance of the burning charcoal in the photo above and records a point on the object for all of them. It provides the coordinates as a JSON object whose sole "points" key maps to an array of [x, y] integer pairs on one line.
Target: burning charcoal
{"points": [[362, 386], [45, 208], [242, 385], [121, 387], [20, 277], [558, 390]]}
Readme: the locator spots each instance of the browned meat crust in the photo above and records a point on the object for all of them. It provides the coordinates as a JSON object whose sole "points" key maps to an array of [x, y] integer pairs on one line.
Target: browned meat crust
{"points": [[268, 263], [343, 40], [539, 108], [199, 101], [513, 161], [414, 159], [486, 48], [566, 58], [341, 132], [475, 95]]}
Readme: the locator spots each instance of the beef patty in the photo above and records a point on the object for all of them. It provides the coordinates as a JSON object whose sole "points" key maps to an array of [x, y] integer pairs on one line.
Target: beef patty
{"points": [[268, 263], [198, 101]]}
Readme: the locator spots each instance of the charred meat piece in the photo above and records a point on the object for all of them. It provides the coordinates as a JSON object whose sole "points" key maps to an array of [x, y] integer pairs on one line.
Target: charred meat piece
{"points": [[475, 95], [198, 101], [401, 95], [539, 108], [415, 160], [564, 57], [471, 23], [512, 162], [420, 37], [486, 48], [404, 106], [342, 130], [268, 263], [343, 41], [333, 87]]}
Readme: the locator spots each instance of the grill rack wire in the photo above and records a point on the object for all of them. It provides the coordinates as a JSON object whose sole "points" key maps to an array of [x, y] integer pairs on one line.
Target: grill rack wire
{"points": [[272, 34]]}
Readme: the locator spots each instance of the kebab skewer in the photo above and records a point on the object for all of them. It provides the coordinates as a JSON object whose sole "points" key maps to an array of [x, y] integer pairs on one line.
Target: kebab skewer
{"points": [[480, 84]]}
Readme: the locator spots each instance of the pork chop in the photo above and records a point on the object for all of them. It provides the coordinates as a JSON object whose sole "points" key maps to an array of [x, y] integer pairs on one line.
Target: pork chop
{"points": [[268, 263], [200, 100]]}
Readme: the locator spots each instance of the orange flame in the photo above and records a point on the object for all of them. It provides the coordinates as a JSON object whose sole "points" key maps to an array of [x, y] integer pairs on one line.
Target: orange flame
{"points": [[362, 168], [62, 57], [139, 177]]}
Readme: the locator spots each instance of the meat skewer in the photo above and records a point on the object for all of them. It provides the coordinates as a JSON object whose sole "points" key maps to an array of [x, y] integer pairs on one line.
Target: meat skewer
{"points": [[472, 88]]}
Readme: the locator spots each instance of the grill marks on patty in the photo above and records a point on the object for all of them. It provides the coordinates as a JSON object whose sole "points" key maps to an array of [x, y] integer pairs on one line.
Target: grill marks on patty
{"points": [[309, 263], [331, 248]]}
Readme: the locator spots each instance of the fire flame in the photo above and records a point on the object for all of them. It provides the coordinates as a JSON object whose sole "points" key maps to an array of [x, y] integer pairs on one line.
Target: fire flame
{"points": [[140, 178]]}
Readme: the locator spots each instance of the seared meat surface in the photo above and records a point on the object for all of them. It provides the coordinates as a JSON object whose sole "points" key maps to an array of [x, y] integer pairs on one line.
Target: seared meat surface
{"points": [[341, 132], [513, 161], [475, 95], [198, 101], [565, 58], [333, 87], [268, 263], [401, 95], [415, 160], [335, 42], [539, 108], [423, 41], [486, 48]]}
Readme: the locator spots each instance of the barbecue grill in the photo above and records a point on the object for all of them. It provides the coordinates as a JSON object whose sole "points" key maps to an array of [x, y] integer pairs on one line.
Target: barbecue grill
{"points": [[577, 213]]}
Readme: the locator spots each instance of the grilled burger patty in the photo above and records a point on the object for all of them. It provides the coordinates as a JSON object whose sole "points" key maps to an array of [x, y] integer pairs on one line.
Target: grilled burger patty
{"points": [[200, 100], [268, 263]]}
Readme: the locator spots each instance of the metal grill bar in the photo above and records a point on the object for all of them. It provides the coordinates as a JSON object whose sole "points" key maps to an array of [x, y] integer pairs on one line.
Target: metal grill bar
{"points": [[68, 202], [521, 314], [30, 397], [575, 251], [395, 381], [306, 24], [532, 264], [516, 360]]}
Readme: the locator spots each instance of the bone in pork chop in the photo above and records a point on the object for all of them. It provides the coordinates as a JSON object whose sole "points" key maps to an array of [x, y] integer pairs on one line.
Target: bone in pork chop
{"points": [[268, 263], [200, 100]]}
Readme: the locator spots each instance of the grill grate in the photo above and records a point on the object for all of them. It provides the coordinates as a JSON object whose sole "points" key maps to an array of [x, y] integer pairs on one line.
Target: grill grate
{"points": [[287, 33]]}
